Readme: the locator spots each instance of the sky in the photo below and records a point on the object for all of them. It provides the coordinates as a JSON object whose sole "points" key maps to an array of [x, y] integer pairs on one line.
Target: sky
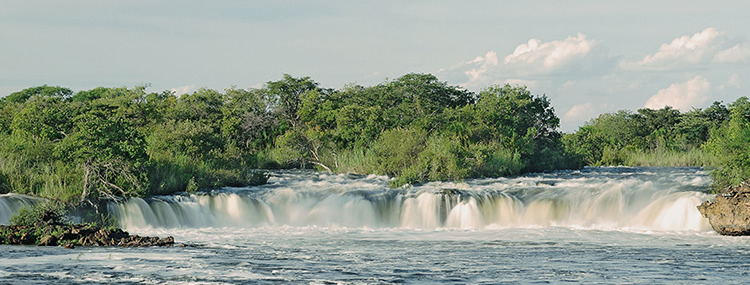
{"points": [[588, 57]]}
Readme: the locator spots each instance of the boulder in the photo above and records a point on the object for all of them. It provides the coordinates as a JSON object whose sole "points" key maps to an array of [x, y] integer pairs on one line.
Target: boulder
{"points": [[27, 239], [49, 240], [48, 232], [12, 238], [69, 236], [729, 213], [168, 241]]}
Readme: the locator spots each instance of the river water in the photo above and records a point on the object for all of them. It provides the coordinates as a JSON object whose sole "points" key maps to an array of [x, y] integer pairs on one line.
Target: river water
{"points": [[597, 225]]}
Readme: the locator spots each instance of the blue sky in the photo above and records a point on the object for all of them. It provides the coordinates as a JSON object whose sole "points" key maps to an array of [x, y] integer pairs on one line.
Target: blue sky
{"points": [[588, 57]]}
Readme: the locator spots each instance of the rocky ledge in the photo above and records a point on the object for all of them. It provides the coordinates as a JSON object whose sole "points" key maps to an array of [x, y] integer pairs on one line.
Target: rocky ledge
{"points": [[69, 236], [729, 212]]}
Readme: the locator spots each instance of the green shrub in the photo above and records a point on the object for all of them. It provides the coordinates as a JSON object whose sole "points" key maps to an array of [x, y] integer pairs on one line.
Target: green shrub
{"points": [[28, 215], [256, 177], [104, 221], [398, 149], [498, 162]]}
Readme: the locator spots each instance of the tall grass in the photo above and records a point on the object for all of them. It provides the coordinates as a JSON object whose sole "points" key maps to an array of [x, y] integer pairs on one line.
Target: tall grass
{"points": [[168, 174], [358, 161], [669, 158], [48, 179]]}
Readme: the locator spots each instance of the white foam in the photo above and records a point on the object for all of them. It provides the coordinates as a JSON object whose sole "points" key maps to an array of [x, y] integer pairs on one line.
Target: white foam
{"points": [[628, 200]]}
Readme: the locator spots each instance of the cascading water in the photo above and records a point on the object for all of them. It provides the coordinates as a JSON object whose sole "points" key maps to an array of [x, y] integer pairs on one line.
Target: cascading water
{"points": [[11, 203], [597, 225], [604, 198]]}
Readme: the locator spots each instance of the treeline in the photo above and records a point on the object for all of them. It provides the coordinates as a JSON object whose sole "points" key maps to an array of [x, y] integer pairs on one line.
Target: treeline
{"points": [[717, 137], [108, 142]]}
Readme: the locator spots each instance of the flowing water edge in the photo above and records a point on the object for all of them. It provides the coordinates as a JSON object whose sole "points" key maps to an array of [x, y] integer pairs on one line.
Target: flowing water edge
{"points": [[597, 225]]}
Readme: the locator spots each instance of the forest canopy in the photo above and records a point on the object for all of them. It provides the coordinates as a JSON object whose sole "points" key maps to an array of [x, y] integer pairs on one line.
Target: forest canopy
{"points": [[110, 142], [120, 142]]}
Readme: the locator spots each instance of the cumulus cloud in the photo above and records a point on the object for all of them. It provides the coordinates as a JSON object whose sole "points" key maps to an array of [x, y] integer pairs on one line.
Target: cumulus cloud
{"points": [[685, 50], [580, 112], [735, 54], [484, 64], [681, 96], [183, 89], [573, 56], [538, 56]]}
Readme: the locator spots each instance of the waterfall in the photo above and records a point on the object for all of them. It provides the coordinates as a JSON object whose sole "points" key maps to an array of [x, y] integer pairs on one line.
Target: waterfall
{"points": [[603, 198], [641, 202], [10, 204]]}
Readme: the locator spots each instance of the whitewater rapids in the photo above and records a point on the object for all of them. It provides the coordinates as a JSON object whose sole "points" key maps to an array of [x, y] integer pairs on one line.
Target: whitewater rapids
{"points": [[656, 199]]}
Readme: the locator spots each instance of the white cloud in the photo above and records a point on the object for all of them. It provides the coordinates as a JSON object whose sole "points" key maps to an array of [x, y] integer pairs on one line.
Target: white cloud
{"points": [[536, 56], [183, 89], [735, 54], [580, 112], [706, 47], [685, 50], [573, 56], [681, 96], [485, 63]]}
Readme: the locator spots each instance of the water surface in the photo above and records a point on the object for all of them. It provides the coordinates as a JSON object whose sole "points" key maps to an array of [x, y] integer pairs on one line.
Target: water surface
{"points": [[598, 225]]}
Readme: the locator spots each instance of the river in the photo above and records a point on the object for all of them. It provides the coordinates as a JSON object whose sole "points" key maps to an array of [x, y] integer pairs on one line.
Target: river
{"points": [[597, 225]]}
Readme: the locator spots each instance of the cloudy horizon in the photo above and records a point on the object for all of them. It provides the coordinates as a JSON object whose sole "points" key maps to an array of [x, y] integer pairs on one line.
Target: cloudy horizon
{"points": [[588, 57]]}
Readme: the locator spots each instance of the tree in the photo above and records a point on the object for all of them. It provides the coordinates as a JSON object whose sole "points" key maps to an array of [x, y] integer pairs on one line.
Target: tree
{"points": [[44, 118], [111, 153], [246, 120], [287, 94], [731, 145], [44, 91]]}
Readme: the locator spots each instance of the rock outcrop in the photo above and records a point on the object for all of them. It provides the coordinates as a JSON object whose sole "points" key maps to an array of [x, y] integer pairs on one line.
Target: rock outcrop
{"points": [[48, 232], [729, 212]]}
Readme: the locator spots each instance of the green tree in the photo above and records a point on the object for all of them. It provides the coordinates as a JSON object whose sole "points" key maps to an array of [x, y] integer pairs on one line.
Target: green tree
{"points": [[287, 95], [111, 153], [44, 118], [44, 91], [731, 145]]}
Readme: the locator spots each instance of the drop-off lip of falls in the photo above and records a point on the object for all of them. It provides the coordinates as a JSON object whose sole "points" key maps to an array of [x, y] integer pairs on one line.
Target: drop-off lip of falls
{"points": [[611, 198]]}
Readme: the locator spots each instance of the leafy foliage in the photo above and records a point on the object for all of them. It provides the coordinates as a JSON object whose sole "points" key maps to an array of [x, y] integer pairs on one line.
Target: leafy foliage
{"points": [[107, 142], [51, 211], [624, 137], [731, 145]]}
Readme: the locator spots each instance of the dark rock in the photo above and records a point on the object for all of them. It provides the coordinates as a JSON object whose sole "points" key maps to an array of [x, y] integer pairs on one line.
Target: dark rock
{"points": [[82, 230], [729, 213], [168, 241], [69, 236], [12, 238], [118, 234], [80, 234], [49, 240], [27, 239]]}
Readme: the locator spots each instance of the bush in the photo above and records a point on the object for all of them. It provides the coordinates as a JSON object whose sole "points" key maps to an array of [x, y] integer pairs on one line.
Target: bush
{"points": [[257, 177], [51, 211], [398, 149]]}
